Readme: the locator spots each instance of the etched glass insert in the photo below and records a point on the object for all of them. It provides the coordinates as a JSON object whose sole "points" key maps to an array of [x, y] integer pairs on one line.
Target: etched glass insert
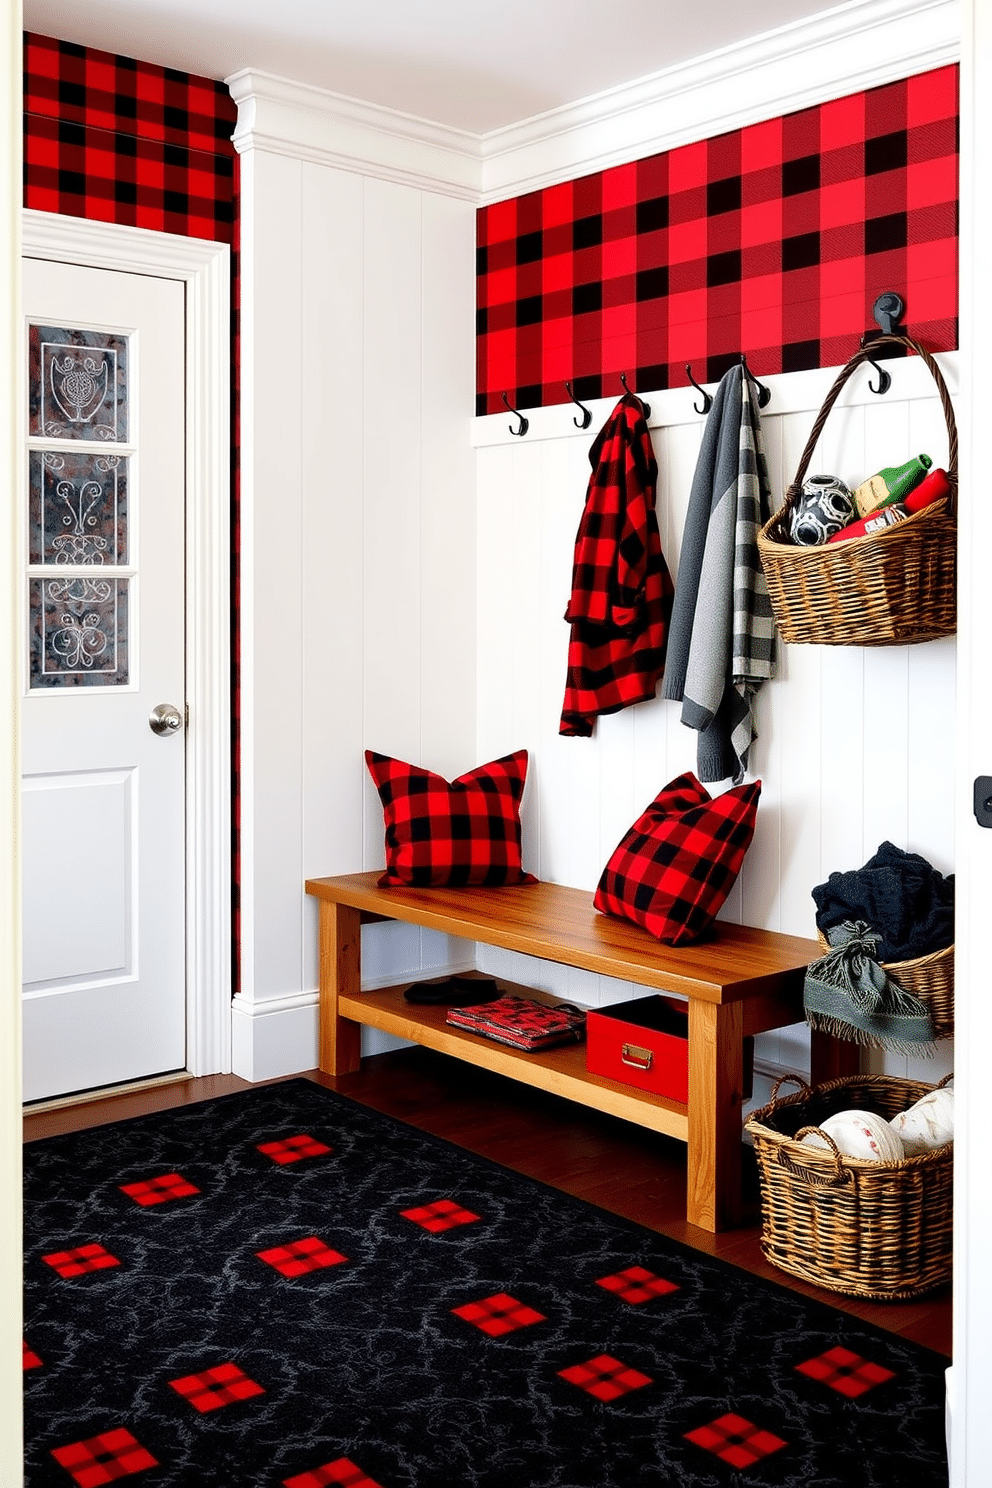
{"points": [[78, 631], [78, 507], [78, 384]]}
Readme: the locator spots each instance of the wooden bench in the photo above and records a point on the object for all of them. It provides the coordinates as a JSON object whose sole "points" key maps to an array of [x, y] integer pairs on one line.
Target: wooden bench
{"points": [[742, 982]]}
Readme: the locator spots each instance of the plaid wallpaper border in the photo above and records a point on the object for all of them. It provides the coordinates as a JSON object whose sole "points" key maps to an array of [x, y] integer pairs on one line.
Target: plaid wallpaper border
{"points": [[109, 138], [774, 240], [117, 140]]}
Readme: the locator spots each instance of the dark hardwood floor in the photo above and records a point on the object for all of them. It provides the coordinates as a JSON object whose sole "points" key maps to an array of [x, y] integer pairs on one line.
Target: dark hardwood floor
{"points": [[601, 1159]]}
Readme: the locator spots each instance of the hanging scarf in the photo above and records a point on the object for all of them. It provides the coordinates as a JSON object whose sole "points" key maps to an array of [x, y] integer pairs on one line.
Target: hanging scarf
{"points": [[850, 995]]}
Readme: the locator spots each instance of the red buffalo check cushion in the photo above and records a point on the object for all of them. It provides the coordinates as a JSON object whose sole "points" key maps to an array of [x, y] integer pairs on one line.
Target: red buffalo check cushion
{"points": [[460, 832], [677, 864]]}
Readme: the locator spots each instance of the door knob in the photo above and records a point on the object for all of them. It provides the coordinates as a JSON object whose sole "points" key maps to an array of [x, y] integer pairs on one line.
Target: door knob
{"points": [[165, 719]]}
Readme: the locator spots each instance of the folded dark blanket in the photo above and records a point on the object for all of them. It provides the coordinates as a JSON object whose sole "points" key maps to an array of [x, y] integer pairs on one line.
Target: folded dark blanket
{"points": [[908, 904]]}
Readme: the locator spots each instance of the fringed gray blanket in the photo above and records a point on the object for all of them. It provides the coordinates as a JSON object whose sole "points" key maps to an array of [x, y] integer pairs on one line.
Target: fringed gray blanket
{"points": [[850, 995]]}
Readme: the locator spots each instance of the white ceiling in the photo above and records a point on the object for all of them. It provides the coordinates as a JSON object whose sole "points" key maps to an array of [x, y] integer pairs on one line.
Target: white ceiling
{"points": [[475, 65]]}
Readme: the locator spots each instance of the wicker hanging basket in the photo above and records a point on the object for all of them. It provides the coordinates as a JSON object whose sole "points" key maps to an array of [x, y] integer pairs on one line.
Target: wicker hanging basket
{"points": [[866, 1229], [894, 587]]}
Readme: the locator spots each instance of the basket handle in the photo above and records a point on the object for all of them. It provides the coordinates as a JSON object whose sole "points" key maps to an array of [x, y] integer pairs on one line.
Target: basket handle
{"points": [[793, 493], [941, 1083], [840, 1175], [804, 1090]]}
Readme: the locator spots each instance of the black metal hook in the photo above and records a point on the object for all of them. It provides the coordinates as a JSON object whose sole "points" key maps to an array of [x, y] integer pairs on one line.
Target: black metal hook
{"points": [[644, 407], [764, 393], [586, 419], [884, 379], [888, 311], [707, 397], [524, 422]]}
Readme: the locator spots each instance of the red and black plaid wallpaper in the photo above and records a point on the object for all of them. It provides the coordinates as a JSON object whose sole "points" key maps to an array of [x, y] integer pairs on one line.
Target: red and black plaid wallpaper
{"points": [[774, 240], [118, 140], [122, 141]]}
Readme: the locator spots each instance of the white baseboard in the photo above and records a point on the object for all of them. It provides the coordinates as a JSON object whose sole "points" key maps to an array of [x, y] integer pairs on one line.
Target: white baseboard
{"points": [[278, 1036]]}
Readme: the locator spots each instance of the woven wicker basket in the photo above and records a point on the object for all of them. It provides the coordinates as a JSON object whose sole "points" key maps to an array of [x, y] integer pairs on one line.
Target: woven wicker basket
{"points": [[930, 977], [866, 1229], [890, 588]]}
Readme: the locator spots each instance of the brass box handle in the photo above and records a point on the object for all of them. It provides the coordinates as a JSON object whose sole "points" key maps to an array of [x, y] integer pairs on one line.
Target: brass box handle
{"points": [[640, 1058]]}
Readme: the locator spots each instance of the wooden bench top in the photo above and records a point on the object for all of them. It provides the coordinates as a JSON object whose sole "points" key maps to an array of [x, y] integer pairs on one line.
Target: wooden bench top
{"points": [[560, 924]]}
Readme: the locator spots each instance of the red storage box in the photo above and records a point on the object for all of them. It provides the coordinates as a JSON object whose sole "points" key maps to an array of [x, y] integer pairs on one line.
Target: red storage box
{"points": [[643, 1043]]}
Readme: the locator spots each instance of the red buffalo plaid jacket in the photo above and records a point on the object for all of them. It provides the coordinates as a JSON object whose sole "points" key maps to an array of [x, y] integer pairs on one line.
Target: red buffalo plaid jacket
{"points": [[621, 588]]}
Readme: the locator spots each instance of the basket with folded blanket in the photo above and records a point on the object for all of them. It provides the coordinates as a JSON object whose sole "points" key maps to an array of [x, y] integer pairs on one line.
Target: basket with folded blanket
{"points": [[887, 979]]}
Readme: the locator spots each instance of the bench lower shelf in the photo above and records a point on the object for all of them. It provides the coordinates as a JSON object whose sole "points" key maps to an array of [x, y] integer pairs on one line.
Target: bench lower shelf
{"points": [[740, 982], [561, 1070]]}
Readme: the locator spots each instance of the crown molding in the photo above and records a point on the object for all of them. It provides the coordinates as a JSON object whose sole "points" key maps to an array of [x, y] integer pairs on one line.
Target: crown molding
{"points": [[283, 117], [861, 44]]}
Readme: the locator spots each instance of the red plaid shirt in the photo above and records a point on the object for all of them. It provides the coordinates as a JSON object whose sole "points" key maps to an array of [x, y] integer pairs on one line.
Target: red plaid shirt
{"points": [[621, 588]]}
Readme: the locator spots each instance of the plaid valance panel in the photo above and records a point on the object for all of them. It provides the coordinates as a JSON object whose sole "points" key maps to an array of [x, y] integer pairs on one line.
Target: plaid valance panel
{"points": [[774, 240], [117, 140]]}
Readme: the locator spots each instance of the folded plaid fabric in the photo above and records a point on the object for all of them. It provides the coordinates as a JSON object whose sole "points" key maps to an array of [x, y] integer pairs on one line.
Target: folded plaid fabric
{"points": [[522, 1022]]}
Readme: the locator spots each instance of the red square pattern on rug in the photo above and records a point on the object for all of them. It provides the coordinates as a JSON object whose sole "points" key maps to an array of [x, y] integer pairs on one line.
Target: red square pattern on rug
{"points": [[445, 1214], [158, 1190], [31, 1360], [605, 1377], [104, 1458], [636, 1284], [845, 1372], [499, 1314], [735, 1440], [342, 1471], [300, 1256], [83, 1258], [212, 1388], [293, 1149]]}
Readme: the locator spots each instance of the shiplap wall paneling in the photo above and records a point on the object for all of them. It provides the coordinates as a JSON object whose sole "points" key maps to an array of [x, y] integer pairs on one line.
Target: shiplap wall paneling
{"points": [[333, 537], [272, 587], [358, 560], [849, 740]]}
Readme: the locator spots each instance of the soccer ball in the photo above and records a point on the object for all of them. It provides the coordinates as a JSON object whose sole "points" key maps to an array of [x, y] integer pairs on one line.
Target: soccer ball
{"points": [[824, 507]]}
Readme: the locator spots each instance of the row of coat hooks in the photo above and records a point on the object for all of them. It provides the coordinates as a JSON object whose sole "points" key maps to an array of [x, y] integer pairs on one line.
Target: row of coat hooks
{"points": [[888, 311], [764, 393]]}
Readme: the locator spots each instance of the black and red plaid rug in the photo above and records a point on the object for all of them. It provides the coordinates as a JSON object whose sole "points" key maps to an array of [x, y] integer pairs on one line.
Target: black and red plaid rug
{"points": [[283, 1289]]}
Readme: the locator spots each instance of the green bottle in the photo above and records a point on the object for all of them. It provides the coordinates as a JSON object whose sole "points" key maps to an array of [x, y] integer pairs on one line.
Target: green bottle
{"points": [[890, 485]]}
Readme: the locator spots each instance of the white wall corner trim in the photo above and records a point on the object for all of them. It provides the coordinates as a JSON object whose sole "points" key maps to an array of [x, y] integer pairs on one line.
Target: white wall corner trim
{"points": [[307, 123], [204, 268], [280, 1035], [861, 44]]}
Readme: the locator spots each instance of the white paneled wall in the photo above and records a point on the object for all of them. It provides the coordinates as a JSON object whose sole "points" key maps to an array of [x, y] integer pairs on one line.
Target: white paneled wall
{"points": [[358, 546], [855, 745]]}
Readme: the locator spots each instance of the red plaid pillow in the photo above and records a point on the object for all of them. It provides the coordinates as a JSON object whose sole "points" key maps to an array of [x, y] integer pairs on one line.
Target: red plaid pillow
{"points": [[466, 831], [677, 864]]}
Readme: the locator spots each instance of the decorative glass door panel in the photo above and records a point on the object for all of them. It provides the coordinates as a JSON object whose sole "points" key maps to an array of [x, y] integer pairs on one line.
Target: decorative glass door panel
{"points": [[78, 508], [78, 384]]}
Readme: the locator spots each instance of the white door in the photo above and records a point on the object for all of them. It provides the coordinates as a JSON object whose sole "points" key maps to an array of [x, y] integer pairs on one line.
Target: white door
{"points": [[103, 802]]}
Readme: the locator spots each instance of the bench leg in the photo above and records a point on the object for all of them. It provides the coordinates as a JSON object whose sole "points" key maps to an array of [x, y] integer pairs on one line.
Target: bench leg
{"points": [[713, 1198], [831, 1059], [340, 933]]}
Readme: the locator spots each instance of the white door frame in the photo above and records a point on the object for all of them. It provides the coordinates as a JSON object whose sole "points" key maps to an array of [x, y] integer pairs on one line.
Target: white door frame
{"points": [[204, 267]]}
